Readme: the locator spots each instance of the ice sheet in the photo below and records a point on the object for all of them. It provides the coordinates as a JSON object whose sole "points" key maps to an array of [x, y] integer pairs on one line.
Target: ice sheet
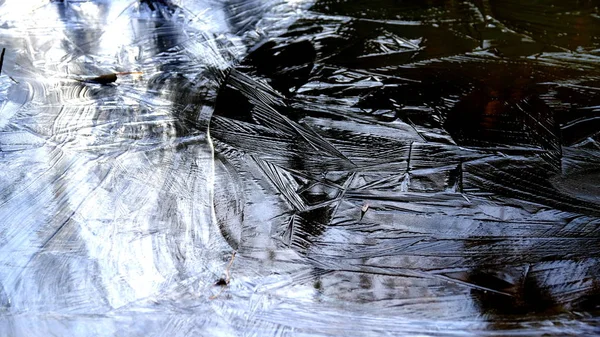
{"points": [[378, 168]]}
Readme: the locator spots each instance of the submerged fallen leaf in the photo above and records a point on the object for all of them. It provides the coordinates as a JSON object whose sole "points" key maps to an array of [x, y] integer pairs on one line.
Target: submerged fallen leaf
{"points": [[364, 210]]}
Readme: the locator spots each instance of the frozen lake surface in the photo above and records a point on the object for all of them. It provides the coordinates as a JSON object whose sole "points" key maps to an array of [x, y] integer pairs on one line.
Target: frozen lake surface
{"points": [[300, 168]]}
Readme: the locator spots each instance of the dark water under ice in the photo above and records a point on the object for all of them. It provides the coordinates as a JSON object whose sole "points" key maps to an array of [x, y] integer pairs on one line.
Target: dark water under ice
{"points": [[379, 168]]}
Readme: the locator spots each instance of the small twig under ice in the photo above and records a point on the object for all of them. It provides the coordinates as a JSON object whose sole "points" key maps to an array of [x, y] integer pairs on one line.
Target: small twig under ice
{"points": [[2, 59], [108, 78], [223, 282]]}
